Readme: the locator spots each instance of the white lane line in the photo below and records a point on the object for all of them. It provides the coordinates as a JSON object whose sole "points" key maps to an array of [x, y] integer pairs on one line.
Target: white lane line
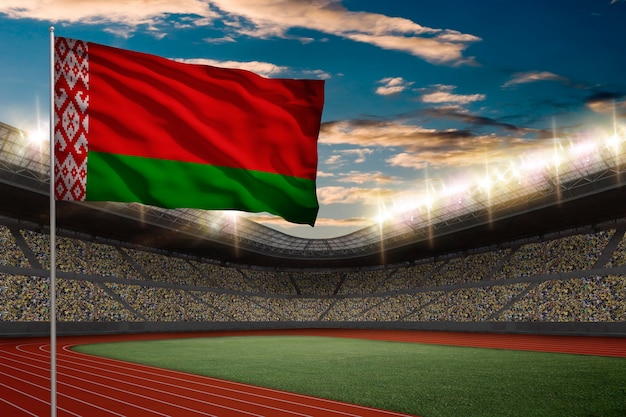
{"points": [[32, 396], [185, 377], [216, 387], [15, 405], [46, 378], [142, 387]]}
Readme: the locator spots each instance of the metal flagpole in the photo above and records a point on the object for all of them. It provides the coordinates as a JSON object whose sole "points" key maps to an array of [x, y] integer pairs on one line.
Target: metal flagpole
{"points": [[53, 295]]}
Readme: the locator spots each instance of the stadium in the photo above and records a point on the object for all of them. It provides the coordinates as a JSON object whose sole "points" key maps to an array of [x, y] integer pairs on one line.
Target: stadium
{"points": [[545, 256]]}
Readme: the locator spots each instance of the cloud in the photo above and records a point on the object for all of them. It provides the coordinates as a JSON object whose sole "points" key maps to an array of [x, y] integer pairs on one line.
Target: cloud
{"points": [[335, 160], [417, 147], [262, 68], [533, 76], [127, 12], [119, 31], [471, 119], [607, 102], [320, 74], [224, 39], [434, 50], [272, 18], [353, 195], [256, 18], [339, 157], [265, 69], [443, 94], [470, 152], [357, 177], [269, 18], [359, 154], [489, 151], [387, 134], [355, 222], [392, 85]]}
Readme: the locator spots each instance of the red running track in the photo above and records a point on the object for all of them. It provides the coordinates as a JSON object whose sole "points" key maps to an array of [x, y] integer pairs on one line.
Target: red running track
{"points": [[91, 386]]}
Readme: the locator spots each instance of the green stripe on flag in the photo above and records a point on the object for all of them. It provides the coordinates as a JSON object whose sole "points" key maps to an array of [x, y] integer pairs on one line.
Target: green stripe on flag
{"points": [[174, 184]]}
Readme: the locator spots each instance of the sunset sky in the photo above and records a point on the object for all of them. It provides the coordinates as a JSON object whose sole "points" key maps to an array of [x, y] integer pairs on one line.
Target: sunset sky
{"points": [[418, 93]]}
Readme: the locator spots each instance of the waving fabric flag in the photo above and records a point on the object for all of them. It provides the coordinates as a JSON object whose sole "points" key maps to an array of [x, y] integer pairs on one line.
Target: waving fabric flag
{"points": [[133, 127]]}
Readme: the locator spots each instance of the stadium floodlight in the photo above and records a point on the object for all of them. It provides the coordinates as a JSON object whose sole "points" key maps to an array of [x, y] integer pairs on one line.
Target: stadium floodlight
{"points": [[584, 149], [613, 143], [383, 214]]}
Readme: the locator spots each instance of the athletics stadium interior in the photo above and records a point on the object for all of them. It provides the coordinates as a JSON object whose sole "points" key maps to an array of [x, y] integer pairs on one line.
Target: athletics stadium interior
{"points": [[549, 256]]}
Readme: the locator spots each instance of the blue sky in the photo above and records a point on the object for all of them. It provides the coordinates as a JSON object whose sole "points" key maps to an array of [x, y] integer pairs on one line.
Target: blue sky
{"points": [[418, 93]]}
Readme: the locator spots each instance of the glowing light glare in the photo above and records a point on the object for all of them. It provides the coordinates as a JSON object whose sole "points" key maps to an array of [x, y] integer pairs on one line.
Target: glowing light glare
{"points": [[486, 183], [583, 148], [500, 177], [383, 214], [403, 205], [455, 189], [515, 172], [38, 137], [564, 154], [233, 215], [429, 202], [228, 217], [534, 165], [557, 156], [556, 160], [613, 142]]}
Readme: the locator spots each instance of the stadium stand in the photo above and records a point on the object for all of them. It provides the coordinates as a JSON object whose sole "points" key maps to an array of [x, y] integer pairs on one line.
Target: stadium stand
{"points": [[557, 280]]}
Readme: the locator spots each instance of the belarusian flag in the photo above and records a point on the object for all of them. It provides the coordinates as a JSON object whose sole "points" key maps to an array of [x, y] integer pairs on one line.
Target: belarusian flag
{"points": [[133, 127]]}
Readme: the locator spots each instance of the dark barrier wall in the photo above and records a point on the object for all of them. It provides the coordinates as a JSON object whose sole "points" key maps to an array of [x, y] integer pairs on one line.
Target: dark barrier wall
{"points": [[33, 329]]}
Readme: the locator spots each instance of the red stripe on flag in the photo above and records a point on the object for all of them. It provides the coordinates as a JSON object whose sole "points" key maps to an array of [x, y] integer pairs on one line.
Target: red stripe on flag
{"points": [[144, 105]]}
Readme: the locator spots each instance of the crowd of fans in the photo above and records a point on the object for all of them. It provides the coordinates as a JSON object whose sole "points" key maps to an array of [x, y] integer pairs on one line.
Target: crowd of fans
{"points": [[469, 304], [572, 253], [23, 298], [363, 282], [224, 277], [75, 255], [410, 277], [308, 283], [271, 282], [114, 283], [619, 255], [587, 299], [12, 255]]}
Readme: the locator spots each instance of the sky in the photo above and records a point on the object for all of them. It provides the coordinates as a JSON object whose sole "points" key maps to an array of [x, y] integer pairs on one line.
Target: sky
{"points": [[419, 94]]}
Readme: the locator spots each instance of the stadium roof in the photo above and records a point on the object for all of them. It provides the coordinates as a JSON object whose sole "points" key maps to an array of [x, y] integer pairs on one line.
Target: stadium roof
{"points": [[585, 191]]}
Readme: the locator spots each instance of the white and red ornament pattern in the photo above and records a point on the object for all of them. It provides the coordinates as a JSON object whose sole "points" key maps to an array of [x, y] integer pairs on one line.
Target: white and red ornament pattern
{"points": [[71, 122]]}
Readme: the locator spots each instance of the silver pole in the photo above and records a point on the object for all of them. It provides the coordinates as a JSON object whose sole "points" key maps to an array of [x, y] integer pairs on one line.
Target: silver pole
{"points": [[53, 295]]}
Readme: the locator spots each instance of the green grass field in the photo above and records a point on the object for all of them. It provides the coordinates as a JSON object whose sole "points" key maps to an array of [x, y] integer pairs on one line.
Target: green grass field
{"points": [[425, 380]]}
